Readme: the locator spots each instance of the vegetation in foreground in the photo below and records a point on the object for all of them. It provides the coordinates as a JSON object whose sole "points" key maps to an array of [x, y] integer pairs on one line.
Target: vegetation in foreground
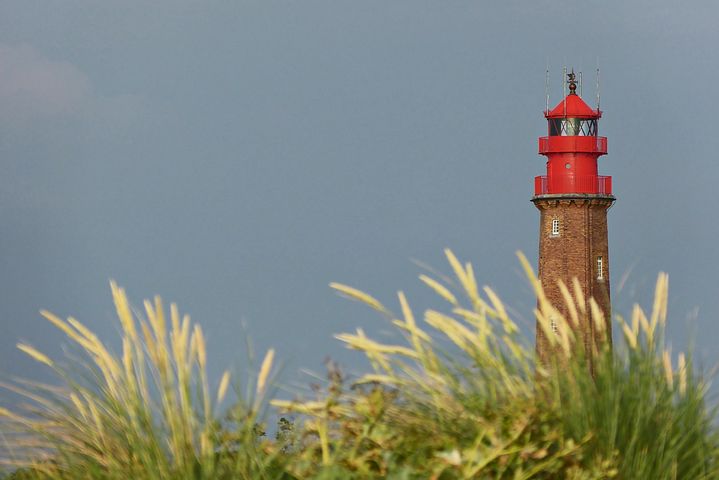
{"points": [[459, 396]]}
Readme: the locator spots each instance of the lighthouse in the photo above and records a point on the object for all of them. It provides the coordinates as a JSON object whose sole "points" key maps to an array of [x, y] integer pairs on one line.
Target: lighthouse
{"points": [[573, 200]]}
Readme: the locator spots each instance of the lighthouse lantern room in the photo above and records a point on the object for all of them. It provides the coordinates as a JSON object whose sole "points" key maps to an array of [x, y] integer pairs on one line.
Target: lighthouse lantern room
{"points": [[572, 148]]}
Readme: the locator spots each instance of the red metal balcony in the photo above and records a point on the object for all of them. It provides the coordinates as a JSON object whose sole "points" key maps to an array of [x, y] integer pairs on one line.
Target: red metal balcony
{"points": [[569, 144], [588, 184]]}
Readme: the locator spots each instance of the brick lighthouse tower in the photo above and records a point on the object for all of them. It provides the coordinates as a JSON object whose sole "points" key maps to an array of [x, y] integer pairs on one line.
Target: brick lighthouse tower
{"points": [[573, 201]]}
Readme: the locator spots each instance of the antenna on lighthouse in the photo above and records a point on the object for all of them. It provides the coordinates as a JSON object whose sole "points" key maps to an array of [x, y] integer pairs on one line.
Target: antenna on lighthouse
{"points": [[598, 91], [564, 89], [580, 83], [546, 88]]}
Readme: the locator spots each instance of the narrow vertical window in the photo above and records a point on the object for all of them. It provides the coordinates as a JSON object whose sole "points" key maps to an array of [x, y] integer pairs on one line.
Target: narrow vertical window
{"points": [[600, 268], [555, 226]]}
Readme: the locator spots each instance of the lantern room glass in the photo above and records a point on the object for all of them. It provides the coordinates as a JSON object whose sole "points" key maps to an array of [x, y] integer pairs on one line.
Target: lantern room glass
{"points": [[573, 127]]}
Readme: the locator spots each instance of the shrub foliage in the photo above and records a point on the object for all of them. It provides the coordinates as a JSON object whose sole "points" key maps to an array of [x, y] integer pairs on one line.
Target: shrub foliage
{"points": [[458, 396]]}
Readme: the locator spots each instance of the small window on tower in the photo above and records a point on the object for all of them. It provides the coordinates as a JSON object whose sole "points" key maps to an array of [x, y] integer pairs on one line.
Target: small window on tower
{"points": [[555, 227], [600, 268]]}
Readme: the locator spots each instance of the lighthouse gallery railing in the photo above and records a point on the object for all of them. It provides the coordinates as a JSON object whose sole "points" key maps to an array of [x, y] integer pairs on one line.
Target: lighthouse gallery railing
{"points": [[560, 144], [591, 184]]}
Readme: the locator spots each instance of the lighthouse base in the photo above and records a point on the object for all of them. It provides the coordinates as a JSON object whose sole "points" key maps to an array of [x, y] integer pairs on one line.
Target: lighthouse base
{"points": [[573, 243]]}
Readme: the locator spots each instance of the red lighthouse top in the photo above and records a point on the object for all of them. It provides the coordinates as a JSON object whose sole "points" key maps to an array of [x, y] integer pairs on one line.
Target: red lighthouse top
{"points": [[573, 106], [572, 148]]}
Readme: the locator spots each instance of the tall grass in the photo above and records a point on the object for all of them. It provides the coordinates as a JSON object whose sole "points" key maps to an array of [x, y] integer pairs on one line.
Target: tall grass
{"points": [[462, 396], [147, 413], [458, 395]]}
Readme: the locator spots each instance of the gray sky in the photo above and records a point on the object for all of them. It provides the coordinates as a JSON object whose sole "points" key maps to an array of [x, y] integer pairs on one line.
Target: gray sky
{"points": [[237, 156]]}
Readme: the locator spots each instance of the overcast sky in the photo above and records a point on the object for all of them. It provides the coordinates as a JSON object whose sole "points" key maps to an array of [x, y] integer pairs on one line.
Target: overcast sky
{"points": [[237, 156]]}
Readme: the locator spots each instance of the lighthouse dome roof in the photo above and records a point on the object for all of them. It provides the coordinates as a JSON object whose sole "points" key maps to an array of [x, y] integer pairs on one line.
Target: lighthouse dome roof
{"points": [[573, 106]]}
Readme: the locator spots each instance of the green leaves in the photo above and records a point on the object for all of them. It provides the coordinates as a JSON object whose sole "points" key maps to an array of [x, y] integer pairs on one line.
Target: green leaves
{"points": [[457, 394], [464, 397]]}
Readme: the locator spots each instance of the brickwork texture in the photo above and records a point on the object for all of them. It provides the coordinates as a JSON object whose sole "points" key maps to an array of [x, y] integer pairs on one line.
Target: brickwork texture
{"points": [[575, 252]]}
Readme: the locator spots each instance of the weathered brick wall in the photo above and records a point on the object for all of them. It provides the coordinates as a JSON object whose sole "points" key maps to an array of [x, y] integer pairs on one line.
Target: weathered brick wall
{"points": [[573, 253]]}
